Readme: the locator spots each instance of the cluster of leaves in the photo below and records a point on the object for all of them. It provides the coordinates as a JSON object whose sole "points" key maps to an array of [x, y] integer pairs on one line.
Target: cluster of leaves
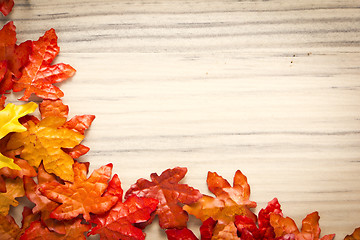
{"points": [[38, 162]]}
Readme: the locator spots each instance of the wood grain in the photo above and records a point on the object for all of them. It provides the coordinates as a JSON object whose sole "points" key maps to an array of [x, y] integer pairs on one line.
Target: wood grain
{"points": [[268, 87]]}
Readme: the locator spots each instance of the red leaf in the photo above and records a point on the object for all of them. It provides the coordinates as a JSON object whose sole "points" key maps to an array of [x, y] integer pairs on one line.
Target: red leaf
{"points": [[80, 123], [170, 194], [76, 151], [14, 56], [83, 196], [180, 234], [119, 222], [38, 75], [3, 69], [207, 229], [6, 6], [2, 102]]}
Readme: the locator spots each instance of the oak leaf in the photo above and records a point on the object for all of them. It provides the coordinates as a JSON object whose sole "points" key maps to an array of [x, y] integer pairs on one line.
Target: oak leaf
{"points": [[285, 228], [9, 123], [170, 194], [6, 6], [38, 75], [14, 189], [44, 142], [84, 196], [229, 202], [354, 236], [119, 222]]}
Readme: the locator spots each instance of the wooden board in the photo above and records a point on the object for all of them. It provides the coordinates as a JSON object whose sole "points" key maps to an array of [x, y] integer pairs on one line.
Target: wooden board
{"points": [[268, 87]]}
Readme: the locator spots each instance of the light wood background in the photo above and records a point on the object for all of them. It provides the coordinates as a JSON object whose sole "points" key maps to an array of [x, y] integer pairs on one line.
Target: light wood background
{"points": [[268, 87]]}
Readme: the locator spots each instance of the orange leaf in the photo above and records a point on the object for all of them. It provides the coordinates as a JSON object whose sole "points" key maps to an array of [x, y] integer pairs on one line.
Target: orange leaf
{"points": [[44, 142], [354, 236], [54, 108], [74, 231], [229, 202], [42, 204], [310, 229], [14, 189], [38, 75], [83, 196]]}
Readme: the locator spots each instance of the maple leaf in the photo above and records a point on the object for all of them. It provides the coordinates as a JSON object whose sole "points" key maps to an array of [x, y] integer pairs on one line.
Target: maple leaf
{"points": [[14, 189], [247, 228], [3, 69], [9, 123], [354, 236], [2, 102], [229, 202], [207, 229], [180, 234], [74, 231], [286, 227], [83, 196], [14, 57], [43, 142], [38, 75], [6, 6], [55, 108], [119, 222], [9, 230], [43, 205], [170, 193]]}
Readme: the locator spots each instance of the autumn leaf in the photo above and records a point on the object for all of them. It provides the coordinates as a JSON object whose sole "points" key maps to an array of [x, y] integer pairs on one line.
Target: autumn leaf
{"points": [[180, 234], [9, 230], [170, 193], [207, 229], [84, 196], [14, 189], [12, 56], [6, 6], [74, 231], [2, 102], [38, 75], [54, 108], [9, 123], [248, 229], [286, 227], [229, 202], [354, 236], [43, 205], [119, 222], [44, 142]]}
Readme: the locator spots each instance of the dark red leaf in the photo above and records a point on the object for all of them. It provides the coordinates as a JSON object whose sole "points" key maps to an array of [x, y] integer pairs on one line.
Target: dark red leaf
{"points": [[207, 229], [180, 234]]}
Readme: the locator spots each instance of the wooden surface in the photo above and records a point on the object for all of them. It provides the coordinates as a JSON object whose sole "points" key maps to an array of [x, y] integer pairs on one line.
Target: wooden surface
{"points": [[268, 87]]}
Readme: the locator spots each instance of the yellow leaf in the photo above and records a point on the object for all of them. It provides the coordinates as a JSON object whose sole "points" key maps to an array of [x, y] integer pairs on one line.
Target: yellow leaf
{"points": [[44, 142], [9, 123], [14, 189]]}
